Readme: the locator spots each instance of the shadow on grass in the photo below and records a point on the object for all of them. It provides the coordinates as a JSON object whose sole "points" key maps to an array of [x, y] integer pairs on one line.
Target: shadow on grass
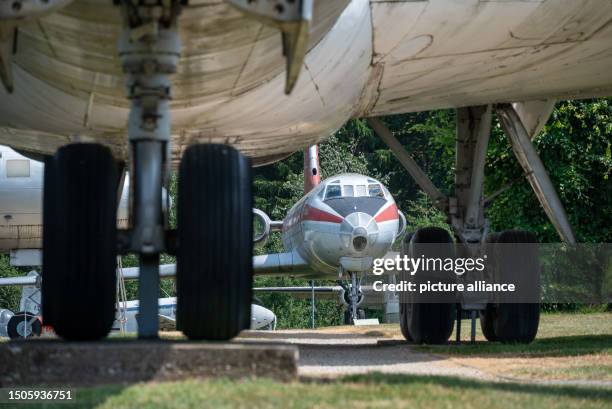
{"points": [[581, 392], [554, 346]]}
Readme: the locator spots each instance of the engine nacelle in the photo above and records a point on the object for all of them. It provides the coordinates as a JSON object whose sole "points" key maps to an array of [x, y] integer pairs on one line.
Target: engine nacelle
{"points": [[402, 224], [261, 227]]}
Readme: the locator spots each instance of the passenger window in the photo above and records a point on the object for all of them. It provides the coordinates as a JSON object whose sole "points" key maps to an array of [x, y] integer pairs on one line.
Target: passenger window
{"points": [[333, 191], [360, 190], [348, 191], [375, 191]]}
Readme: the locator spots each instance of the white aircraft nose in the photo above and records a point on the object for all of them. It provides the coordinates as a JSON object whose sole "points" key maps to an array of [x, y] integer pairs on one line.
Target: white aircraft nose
{"points": [[358, 230], [262, 318]]}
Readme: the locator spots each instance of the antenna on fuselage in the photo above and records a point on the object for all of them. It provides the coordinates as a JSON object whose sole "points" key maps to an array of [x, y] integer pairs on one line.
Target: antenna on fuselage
{"points": [[312, 174]]}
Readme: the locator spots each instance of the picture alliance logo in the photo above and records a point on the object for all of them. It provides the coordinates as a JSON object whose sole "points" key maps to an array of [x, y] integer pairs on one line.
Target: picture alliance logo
{"points": [[412, 265]]}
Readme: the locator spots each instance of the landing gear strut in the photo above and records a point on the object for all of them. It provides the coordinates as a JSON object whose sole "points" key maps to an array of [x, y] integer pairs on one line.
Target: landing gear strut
{"points": [[352, 297], [149, 48]]}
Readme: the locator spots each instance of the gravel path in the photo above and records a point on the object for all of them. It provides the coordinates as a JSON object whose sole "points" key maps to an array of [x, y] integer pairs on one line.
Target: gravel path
{"points": [[332, 354]]}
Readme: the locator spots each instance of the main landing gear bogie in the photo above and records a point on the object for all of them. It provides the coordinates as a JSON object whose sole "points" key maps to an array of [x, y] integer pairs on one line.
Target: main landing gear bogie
{"points": [[214, 242], [504, 321]]}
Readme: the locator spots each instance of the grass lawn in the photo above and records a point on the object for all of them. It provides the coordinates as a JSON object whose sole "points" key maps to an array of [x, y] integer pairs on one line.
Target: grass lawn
{"points": [[568, 347], [368, 391]]}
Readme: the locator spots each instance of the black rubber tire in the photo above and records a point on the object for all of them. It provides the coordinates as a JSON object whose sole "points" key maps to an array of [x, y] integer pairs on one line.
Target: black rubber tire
{"points": [[11, 326], [518, 322], [487, 317], [487, 322], [402, 306], [214, 272], [80, 241], [429, 323]]}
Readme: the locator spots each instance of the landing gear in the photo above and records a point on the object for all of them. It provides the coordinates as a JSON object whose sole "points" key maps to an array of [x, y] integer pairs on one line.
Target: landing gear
{"points": [[513, 322], [349, 320], [79, 241], [429, 323], [214, 276], [352, 297]]}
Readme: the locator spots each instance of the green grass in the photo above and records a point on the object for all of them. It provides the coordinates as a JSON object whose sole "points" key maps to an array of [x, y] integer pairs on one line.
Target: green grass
{"points": [[368, 391], [591, 372], [558, 335], [541, 347]]}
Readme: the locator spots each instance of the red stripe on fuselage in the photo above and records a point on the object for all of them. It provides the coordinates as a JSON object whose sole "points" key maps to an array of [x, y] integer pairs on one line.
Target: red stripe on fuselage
{"points": [[318, 215], [390, 213]]}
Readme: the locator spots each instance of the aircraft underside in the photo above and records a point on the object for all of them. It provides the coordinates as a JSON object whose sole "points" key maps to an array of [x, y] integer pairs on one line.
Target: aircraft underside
{"points": [[363, 58]]}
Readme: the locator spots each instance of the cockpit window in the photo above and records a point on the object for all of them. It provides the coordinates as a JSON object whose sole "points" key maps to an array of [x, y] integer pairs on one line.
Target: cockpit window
{"points": [[360, 190], [333, 191], [375, 190], [348, 191]]}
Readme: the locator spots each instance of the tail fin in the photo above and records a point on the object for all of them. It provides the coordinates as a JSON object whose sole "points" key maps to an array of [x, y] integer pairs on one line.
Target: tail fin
{"points": [[312, 175]]}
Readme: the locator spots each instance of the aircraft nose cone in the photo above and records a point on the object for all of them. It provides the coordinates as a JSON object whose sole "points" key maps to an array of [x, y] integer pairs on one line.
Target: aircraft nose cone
{"points": [[358, 230]]}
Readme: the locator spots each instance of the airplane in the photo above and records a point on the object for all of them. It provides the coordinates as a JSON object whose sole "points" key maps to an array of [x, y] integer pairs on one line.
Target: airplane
{"points": [[211, 88]]}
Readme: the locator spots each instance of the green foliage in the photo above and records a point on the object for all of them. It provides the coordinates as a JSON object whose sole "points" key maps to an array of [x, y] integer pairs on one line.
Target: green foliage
{"points": [[575, 149], [9, 296]]}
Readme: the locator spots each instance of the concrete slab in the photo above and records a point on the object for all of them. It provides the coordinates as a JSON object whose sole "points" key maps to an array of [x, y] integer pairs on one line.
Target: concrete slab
{"points": [[57, 363]]}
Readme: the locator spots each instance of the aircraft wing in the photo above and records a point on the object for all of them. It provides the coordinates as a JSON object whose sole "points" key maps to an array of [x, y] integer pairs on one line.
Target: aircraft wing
{"points": [[322, 292], [287, 264]]}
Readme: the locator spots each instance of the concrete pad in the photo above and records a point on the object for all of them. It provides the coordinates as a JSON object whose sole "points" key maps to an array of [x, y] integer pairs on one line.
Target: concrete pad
{"points": [[57, 363]]}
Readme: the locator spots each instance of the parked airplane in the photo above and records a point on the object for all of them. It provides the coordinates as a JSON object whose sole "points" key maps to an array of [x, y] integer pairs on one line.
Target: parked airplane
{"points": [[64, 88]]}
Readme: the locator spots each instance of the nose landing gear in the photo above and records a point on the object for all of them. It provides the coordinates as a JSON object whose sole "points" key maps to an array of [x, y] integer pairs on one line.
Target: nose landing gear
{"points": [[352, 297]]}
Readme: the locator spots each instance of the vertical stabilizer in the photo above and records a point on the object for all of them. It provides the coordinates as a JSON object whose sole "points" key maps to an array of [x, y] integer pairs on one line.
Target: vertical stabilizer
{"points": [[312, 175]]}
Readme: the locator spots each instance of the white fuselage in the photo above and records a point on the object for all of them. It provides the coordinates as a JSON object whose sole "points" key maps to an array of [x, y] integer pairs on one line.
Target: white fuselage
{"points": [[21, 201], [365, 58], [261, 317], [346, 221]]}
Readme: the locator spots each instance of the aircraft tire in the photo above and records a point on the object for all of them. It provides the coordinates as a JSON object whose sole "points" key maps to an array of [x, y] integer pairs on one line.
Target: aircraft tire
{"points": [[214, 275], [517, 322], [429, 323], [80, 241], [403, 316], [487, 316]]}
